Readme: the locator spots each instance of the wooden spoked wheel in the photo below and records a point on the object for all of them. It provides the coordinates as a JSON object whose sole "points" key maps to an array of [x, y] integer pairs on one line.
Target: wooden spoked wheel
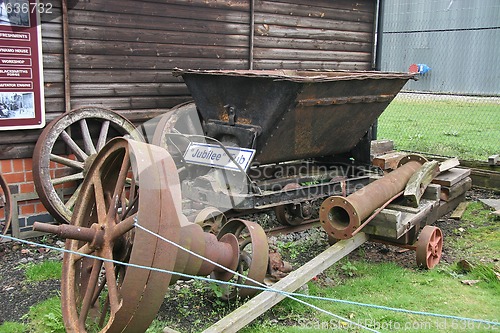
{"points": [[211, 220], [253, 257], [99, 294], [429, 247], [65, 151], [5, 206]]}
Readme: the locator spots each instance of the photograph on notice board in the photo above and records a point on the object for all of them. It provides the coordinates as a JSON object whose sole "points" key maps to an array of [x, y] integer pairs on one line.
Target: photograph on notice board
{"points": [[15, 13], [16, 105]]}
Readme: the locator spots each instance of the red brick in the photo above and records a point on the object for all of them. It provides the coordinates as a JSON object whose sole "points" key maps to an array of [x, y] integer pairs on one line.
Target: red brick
{"points": [[27, 188], [40, 208], [18, 165], [29, 176], [16, 177], [28, 209], [28, 164], [6, 166]]}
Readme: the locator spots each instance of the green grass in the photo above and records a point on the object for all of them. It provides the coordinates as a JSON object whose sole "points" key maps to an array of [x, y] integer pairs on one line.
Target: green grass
{"points": [[468, 130], [439, 291], [46, 270], [10, 327], [46, 317], [390, 285]]}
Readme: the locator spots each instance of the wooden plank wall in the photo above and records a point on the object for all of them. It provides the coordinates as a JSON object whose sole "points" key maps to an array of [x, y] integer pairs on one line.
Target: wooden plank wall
{"points": [[122, 51], [319, 34]]}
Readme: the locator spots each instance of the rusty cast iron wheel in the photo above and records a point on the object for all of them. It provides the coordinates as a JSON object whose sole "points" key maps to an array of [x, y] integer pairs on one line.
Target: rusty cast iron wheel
{"points": [[288, 214], [254, 256], [211, 219], [80, 133], [5, 205], [106, 296], [429, 247]]}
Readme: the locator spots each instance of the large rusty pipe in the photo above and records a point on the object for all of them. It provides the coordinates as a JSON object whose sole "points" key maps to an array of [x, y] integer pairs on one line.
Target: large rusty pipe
{"points": [[341, 216]]}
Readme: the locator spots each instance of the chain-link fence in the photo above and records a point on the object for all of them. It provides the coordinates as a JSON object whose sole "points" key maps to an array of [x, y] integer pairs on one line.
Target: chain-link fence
{"points": [[461, 126], [454, 107]]}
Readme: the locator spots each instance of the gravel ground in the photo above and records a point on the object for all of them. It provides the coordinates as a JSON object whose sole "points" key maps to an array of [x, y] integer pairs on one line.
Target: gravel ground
{"points": [[17, 295]]}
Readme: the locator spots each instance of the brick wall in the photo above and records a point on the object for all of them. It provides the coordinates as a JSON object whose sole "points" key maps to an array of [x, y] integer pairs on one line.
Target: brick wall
{"points": [[26, 207]]}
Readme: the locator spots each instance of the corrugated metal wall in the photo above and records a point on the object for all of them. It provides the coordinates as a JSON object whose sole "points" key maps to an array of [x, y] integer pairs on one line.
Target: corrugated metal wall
{"points": [[122, 51], [459, 40]]}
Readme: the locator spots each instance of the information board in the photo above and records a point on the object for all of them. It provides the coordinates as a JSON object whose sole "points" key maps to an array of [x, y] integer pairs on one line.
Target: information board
{"points": [[21, 69]]}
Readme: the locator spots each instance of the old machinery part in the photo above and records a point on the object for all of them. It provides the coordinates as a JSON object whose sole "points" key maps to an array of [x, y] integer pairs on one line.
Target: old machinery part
{"points": [[210, 219], [341, 216], [429, 247], [65, 151], [103, 294], [5, 205], [117, 298], [289, 115], [175, 126], [253, 259], [289, 214]]}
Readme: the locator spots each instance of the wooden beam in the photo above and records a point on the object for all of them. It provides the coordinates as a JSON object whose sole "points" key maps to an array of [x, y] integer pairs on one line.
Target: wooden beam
{"points": [[246, 313], [418, 182], [448, 164], [459, 211]]}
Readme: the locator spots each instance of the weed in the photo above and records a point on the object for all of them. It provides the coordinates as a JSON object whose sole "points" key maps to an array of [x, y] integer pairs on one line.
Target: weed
{"points": [[10, 327], [46, 316], [349, 269], [46, 270]]}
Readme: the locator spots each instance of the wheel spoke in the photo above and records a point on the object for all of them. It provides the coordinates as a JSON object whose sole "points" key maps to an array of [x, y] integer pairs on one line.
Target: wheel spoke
{"points": [[120, 183], [67, 179], [113, 293], [87, 139], [66, 161], [89, 292], [84, 250], [73, 146], [72, 200], [99, 200], [103, 135]]}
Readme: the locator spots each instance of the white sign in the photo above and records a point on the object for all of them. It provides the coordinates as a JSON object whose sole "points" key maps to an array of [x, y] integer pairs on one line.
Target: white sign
{"points": [[215, 156]]}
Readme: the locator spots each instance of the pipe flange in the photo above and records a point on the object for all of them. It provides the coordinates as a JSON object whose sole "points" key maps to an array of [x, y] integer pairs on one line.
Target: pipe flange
{"points": [[339, 217], [412, 157]]}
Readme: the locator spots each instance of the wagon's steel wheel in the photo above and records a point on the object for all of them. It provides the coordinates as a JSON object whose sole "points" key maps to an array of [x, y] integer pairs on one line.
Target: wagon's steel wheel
{"points": [[211, 219], [254, 256], [65, 150], [107, 295], [5, 206], [429, 247], [288, 214]]}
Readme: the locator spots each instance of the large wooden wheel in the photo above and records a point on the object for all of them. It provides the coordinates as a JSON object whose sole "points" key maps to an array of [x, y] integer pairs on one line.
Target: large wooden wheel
{"points": [[5, 206], [105, 296], [65, 151]]}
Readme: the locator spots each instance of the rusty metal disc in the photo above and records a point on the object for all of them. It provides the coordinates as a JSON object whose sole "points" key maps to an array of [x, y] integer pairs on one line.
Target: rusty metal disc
{"points": [[429, 247], [253, 259], [106, 296], [5, 206], [65, 151]]}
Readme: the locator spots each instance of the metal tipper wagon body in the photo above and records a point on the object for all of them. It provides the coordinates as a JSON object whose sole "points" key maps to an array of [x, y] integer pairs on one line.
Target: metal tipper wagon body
{"points": [[297, 142], [310, 132]]}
